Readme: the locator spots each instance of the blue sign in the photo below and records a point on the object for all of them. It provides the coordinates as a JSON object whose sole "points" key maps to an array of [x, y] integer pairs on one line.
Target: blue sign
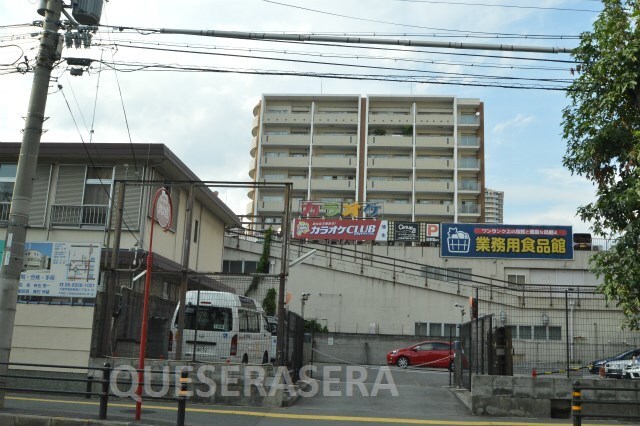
{"points": [[485, 240]]}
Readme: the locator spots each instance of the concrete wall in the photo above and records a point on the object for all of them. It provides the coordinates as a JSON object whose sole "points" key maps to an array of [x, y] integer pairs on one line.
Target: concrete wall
{"points": [[548, 396], [52, 334]]}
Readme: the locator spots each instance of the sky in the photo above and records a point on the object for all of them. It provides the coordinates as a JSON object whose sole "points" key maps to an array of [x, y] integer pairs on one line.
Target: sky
{"points": [[205, 118]]}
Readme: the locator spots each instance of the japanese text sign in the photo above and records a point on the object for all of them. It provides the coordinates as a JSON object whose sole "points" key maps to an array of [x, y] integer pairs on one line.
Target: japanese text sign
{"points": [[340, 229]]}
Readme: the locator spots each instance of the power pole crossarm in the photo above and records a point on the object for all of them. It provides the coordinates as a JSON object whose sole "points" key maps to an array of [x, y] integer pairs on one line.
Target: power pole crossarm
{"points": [[11, 266], [354, 40]]}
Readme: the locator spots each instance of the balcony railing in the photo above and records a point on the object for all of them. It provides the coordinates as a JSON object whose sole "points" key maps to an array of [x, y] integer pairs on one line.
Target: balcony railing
{"points": [[79, 215], [469, 209], [5, 207]]}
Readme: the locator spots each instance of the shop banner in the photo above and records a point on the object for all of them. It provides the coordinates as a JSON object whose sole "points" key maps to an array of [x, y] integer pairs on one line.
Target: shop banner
{"points": [[406, 231], [340, 229], [484, 240]]}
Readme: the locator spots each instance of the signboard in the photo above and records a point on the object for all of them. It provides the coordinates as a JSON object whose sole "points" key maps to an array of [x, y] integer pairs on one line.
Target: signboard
{"points": [[59, 269], [335, 209], [163, 209], [483, 240], [406, 231], [340, 229]]}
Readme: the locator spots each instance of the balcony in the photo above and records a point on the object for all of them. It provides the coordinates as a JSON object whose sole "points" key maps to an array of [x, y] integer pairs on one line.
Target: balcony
{"points": [[397, 209], [469, 209], [335, 118], [333, 162], [468, 142], [270, 207], [286, 140], [88, 215], [335, 140], [333, 185], [390, 118], [399, 163], [285, 162], [434, 210], [468, 163], [468, 120], [389, 185], [469, 186], [434, 163], [287, 118], [434, 141], [434, 119], [434, 186], [390, 141]]}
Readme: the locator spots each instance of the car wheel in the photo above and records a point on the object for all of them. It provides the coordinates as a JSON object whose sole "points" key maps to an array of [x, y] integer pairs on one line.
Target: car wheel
{"points": [[402, 362]]}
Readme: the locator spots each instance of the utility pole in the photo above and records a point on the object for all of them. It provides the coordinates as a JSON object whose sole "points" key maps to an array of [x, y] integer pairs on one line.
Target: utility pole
{"points": [[21, 200]]}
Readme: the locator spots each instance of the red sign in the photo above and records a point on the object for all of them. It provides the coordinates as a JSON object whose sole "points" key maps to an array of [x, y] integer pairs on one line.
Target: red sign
{"points": [[163, 209], [338, 229]]}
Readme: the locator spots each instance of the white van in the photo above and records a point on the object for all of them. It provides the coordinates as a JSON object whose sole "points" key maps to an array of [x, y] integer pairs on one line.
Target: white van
{"points": [[223, 327]]}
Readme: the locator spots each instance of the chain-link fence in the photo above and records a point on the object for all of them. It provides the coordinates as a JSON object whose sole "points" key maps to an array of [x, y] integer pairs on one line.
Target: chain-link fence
{"points": [[227, 318]]}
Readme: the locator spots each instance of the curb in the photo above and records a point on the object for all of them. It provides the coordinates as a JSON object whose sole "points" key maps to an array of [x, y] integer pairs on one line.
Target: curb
{"points": [[10, 419]]}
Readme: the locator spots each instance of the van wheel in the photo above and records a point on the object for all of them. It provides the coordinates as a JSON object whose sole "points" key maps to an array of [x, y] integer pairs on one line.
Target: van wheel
{"points": [[265, 358], [245, 359]]}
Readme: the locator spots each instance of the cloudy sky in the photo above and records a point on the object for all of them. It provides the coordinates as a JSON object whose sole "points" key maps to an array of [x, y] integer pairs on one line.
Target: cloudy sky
{"points": [[205, 117]]}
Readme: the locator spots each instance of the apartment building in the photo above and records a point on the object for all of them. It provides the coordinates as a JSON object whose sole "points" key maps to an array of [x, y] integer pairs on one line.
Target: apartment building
{"points": [[419, 158], [493, 206]]}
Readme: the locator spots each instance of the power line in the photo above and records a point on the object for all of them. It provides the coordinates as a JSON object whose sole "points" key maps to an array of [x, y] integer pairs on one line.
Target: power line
{"points": [[386, 22], [456, 3], [132, 43], [133, 67], [348, 65]]}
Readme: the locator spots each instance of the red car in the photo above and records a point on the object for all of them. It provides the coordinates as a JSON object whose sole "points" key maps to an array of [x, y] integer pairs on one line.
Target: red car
{"points": [[431, 353]]}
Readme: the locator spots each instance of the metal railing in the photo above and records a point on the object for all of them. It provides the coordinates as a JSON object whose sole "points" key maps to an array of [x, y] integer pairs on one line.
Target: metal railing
{"points": [[79, 215], [577, 403], [105, 382]]}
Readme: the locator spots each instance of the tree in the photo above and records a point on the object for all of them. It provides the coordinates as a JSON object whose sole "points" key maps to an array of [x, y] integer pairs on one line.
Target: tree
{"points": [[602, 128], [263, 263], [269, 302]]}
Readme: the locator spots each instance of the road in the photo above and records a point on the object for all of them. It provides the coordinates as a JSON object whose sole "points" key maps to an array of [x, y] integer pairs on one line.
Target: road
{"points": [[423, 398]]}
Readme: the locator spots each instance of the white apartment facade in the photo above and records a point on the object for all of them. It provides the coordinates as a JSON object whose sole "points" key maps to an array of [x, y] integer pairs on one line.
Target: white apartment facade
{"points": [[493, 206], [419, 157]]}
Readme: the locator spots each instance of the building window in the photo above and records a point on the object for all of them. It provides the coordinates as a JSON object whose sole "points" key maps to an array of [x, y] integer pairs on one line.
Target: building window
{"points": [[7, 181], [435, 329], [524, 332], [196, 230], [97, 193], [555, 333], [516, 281], [458, 274]]}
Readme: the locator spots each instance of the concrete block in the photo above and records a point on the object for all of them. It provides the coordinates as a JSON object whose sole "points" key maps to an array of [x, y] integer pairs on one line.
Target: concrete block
{"points": [[24, 420], [522, 387], [484, 390], [7, 419], [481, 380], [532, 407]]}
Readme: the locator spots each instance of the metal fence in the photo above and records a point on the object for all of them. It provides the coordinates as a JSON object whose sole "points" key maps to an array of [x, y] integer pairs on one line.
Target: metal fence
{"points": [[228, 318]]}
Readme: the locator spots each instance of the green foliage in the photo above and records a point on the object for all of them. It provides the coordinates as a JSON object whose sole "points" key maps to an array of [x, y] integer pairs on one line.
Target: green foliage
{"points": [[602, 128], [315, 326], [263, 263], [379, 132], [407, 130], [269, 302]]}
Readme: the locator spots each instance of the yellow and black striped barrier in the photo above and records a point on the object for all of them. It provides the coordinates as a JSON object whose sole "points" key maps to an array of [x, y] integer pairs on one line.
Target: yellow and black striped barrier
{"points": [[576, 404], [183, 392]]}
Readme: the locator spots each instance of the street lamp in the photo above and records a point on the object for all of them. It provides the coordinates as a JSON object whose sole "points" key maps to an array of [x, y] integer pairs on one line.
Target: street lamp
{"points": [[462, 312], [304, 298]]}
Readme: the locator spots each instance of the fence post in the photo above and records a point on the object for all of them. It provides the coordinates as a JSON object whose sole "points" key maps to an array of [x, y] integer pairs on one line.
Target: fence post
{"points": [[89, 388], [182, 397], [104, 396], [576, 404]]}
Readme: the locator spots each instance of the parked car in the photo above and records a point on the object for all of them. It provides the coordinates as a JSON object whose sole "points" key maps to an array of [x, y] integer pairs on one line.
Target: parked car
{"points": [[430, 353], [616, 369], [594, 367], [632, 372]]}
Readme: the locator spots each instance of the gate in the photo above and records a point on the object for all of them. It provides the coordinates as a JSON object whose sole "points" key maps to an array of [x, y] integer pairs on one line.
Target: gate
{"points": [[294, 344], [477, 345]]}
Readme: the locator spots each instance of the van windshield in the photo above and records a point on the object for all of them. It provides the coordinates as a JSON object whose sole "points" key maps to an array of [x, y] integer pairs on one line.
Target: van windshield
{"points": [[210, 318]]}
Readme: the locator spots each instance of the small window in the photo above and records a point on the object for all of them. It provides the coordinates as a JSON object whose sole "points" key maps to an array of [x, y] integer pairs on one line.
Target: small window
{"points": [[196, 230], [516, 281], [555, 333], [435, 329], [524, 332], [540, 332], [450, 330]]}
